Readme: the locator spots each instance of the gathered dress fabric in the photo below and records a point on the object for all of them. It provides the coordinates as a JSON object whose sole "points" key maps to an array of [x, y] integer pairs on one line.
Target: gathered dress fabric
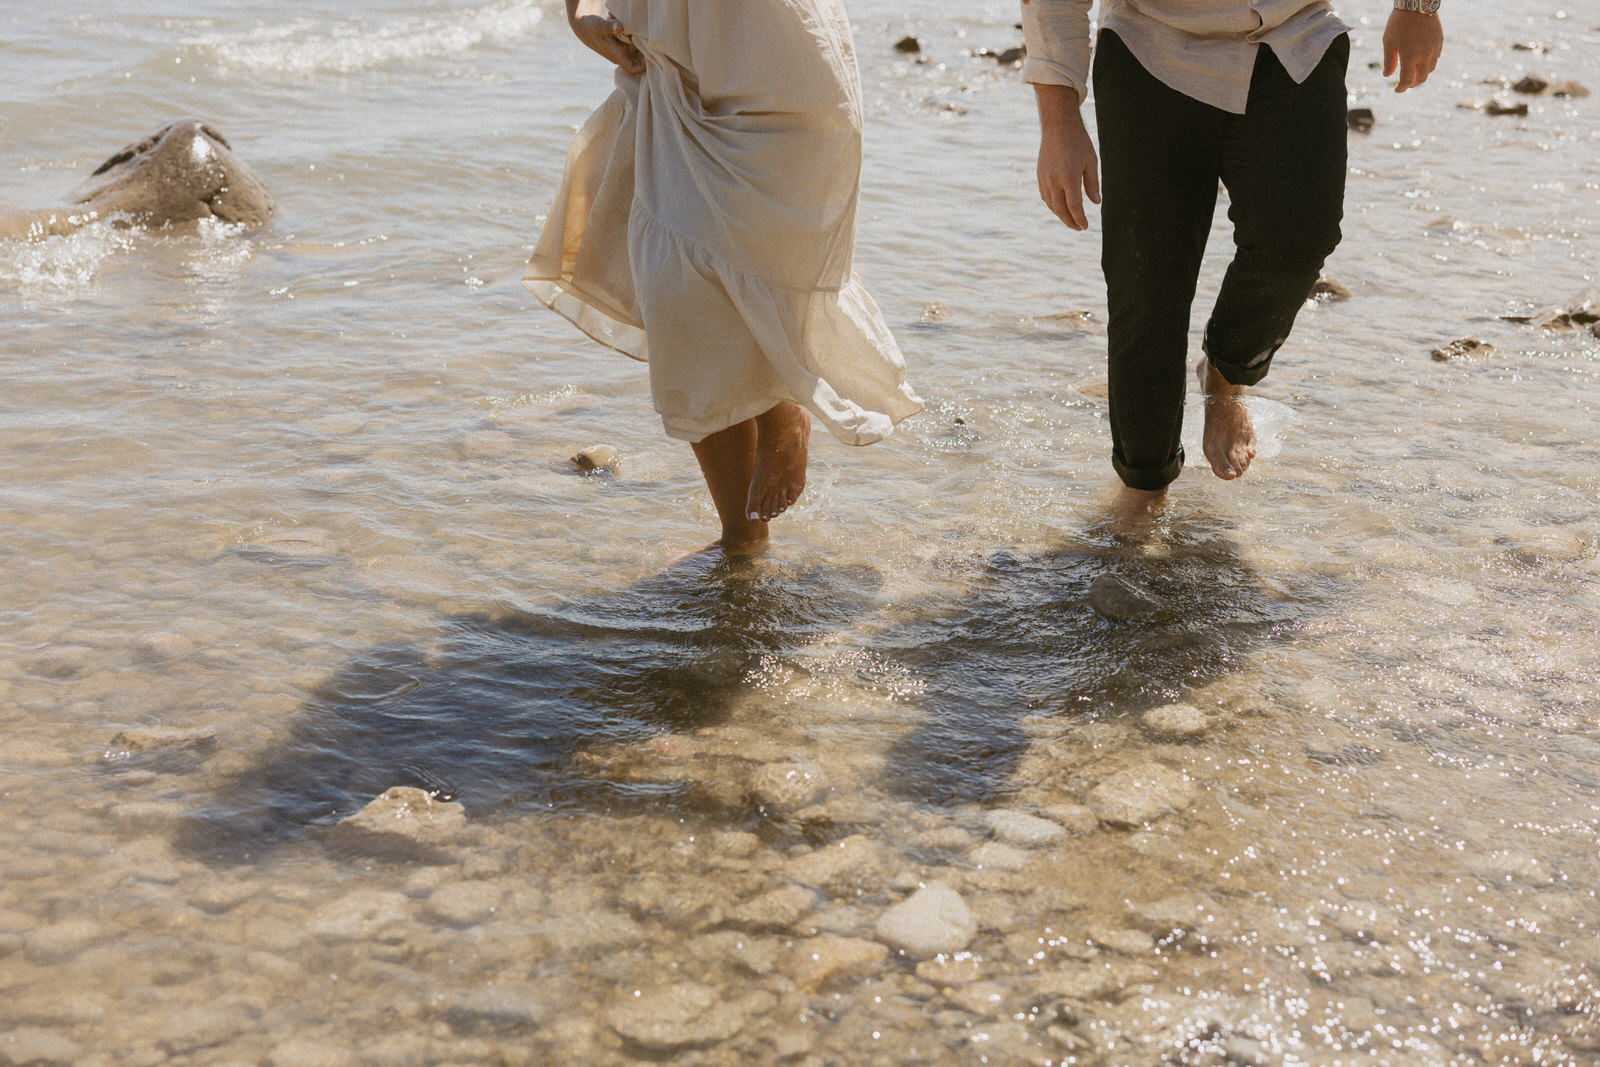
{"points": [[706, 221]]}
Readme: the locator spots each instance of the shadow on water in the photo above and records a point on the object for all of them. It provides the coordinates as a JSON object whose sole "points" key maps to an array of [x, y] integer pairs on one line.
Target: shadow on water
{"points": [[494, 716], [501, 714], [1081, 630]]}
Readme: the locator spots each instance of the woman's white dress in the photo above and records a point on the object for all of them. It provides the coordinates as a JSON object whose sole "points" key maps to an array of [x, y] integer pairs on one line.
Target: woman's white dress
{"points": [[709, 206]]}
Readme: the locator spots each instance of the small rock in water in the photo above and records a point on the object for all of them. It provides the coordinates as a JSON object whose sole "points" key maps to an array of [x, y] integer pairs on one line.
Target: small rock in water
{"points": [[1176, 722], [908, 45], [1023, 830], [1141, 795], [817, 961], [777, 910], [297, 542], [932, 920], [406, 814], [994, 856], [1569, 89], [1360, 119], [1500, 107], [1326, 289], [845, 864], [464, 903], [1124, 600], [786, 787], [597, 458], [1530, 85], [1461, 348], [497, 1009], [676, 1017], [1527, 46], [36, 1045], [1011, 56]]}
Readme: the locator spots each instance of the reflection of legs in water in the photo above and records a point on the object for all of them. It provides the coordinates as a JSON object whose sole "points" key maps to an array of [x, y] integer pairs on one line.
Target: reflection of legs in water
{"points": [[1230, 439], [756, 469]]}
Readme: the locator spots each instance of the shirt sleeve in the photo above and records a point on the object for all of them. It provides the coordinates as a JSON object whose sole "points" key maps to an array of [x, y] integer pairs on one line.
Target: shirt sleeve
{"points": [[1057, 35]]}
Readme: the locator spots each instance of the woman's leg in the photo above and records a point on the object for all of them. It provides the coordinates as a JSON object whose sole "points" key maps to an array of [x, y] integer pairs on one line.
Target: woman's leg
{"points": [[756, 470], [728, 460]]}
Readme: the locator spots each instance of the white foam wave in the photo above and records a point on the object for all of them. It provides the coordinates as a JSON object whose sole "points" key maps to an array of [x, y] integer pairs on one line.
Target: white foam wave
{"points": [[306, 46], [62, 266]]}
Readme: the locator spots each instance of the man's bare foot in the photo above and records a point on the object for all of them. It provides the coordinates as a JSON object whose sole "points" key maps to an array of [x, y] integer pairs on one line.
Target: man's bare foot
{"points": [[1132, 513], [783, 436], [1230, 439]]}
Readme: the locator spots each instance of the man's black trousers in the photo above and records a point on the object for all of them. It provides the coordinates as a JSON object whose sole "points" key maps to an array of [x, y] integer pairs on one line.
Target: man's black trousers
{"points": [[1162, 155]]}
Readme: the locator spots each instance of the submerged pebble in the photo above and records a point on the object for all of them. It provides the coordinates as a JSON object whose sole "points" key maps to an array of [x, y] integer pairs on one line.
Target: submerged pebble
{"points": [[1141, 795], [933, 920], [677, 1016], [1175, 722]]}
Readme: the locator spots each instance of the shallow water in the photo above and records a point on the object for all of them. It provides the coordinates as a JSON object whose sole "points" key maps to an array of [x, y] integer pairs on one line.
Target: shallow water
{"points": [[289, 522]]}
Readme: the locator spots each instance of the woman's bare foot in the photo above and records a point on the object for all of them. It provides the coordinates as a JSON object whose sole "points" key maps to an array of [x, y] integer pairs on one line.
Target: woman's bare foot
{"points": [[1132, 513], [1230, 439], [783, 435]]}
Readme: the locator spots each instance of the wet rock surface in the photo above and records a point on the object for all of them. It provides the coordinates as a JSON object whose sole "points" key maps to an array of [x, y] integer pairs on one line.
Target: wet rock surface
{"points": [[933, 920], [1462, 349]]}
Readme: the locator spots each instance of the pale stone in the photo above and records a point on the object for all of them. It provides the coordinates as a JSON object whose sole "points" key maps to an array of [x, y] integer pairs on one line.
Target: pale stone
{"points": [[1077, 818], [1079, 981], [777, 910], [1141, 795], [994, 856], [365, 914], [947, 971], [1127, 942], [62, 661], [817, 961], [296, 542], [933, 920], [407, 814], [1176, 722], [943, 839], [1505, 866], [29, 1045], [675, 1016], [61, 941], [786, 787], [164, 645], [464, 903], [979, 998], [738, 845], [303, 1052], [1023, 830], [841, 865]]}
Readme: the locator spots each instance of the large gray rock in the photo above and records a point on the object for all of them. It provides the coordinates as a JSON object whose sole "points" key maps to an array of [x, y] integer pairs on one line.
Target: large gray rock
{"points": [[933, 920], [786, 787], [1124, 600]]}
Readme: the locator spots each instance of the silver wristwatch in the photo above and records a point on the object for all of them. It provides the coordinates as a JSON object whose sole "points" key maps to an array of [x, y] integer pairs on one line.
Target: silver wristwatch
{"points": [[1427, 7]]}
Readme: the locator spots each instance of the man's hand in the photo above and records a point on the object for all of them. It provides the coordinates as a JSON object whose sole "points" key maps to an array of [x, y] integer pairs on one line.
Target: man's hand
{"points": [[1412, 42], [603, 34], [1068, 166]]}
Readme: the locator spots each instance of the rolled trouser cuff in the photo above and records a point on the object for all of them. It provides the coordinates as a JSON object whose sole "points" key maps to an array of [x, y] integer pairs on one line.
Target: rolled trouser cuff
{"points": [[1239, 373], [1149, 480]]}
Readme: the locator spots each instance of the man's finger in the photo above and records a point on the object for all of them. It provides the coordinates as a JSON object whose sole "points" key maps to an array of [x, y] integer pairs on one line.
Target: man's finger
{"points": [[1391, 57], [1091, 182]]}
